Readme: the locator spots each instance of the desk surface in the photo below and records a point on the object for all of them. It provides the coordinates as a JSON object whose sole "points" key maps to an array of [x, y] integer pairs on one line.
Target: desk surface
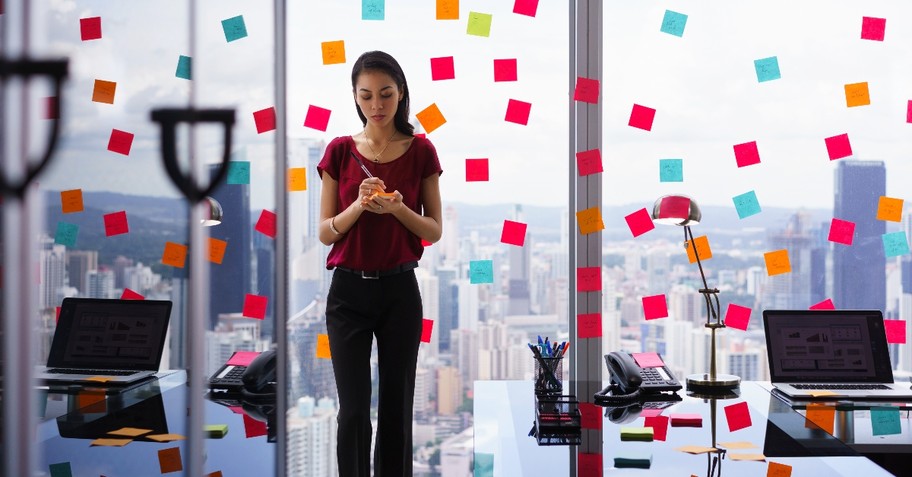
{"points": [[504, 415]]}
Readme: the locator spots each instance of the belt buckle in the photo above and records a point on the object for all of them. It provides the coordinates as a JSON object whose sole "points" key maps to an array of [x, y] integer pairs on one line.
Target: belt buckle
{"points": [[375, 275]]}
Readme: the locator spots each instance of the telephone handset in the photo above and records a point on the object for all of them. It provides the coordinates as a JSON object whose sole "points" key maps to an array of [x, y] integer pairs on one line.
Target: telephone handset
{"points": [[629, 381], [256, 380]]}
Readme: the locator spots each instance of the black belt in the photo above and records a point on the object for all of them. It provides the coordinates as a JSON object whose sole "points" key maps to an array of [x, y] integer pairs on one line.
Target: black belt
{"points": [[374, 274]]}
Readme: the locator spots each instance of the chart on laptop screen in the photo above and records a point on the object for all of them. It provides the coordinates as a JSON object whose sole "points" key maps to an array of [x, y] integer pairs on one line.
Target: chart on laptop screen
{"points": [[97, 336], [822, 349]]}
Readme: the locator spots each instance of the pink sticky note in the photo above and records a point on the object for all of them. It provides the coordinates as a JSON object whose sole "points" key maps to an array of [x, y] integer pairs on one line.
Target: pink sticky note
{"points": [[518, 112], [589, 325], [639, 222], [737, 316], [873, 28], [120, 142], [90, 28], [824, 305], [655, 306], [115, 223], [674, 207], [242, 358], [317, 118], [738, 416], [641, 117], [589, 162], [589, 279], [896, 331], [513, 233], [425, 243], [131, 295], [525, 7], [686, 420], [589, 464], [648, 360], [650, 412], [442, 68], [590, 416], [265, 120], [255, 306], [426, 327], [747, 154], [841, 231], [253, 427], [476, 170], [838, 146], [266, 224], [659, 425], [505, 69], [587, 90], [909, 111]]}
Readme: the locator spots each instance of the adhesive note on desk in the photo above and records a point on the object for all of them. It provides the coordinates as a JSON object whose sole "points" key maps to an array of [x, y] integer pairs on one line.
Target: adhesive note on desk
{"points": [[169, 460], [633, 460], [885, 421], [92, 401], [820, 415], [481, 271], [253, 427], [61, 469], [659, 425], [695, 449], [750, 457], [686, 420], [775, 469], [821, 393], [130, 432], [215, 431], [738, 445], [166, 437], [590, 220], [738, 416], [242, 358], [323, 346], [648, 360], [110, 442]]}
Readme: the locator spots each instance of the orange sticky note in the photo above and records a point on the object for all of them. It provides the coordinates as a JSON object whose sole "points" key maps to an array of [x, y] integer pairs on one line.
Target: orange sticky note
{"points": [[91, 402], [217, 250], [822, 416], [701, 243], [71, 201], [430, 118], [333, 52], [110, 442], [323, 346], [889, 208], [448, 9], [104, 91], [217, 473], [857, 94], [297, 179], [170, 460], [776, 469], [590, 220], [777, 262], [174, 254]]}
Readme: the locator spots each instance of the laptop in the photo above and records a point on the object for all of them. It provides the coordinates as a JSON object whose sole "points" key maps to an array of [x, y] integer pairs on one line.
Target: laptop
{"points": [[106, 342], [830, 354]]}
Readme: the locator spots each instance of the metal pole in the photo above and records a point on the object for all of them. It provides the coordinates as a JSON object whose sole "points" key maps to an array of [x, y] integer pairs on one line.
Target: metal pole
{"points": [[281, 244]]}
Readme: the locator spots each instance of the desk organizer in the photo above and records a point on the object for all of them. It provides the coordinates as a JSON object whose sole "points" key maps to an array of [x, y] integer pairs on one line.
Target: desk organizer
{"points": [[557, 420]]}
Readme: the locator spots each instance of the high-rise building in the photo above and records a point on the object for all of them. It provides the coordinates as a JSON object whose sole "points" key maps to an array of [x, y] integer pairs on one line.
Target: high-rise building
{"points": [[449, 306], [429, 287], [449, 390], [100, 283], [793, 290], [314, 375], [230, 281], [520, 272], [120, 264], [52, 272], [311, 445], [450, 247], [78, 263]]}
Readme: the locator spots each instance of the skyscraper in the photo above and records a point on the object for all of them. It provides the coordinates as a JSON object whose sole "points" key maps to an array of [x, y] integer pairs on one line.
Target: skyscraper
{"points": [[78, 263], [520, 272], [230, 281]]}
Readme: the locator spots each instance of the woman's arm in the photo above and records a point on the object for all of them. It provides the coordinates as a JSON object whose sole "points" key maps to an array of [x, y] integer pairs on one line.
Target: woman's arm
{"points": [[430, 225], [341, 221]]}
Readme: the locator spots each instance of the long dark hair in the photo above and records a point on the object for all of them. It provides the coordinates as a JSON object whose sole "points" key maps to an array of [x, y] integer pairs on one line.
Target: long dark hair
{"points": [[380, 61]]}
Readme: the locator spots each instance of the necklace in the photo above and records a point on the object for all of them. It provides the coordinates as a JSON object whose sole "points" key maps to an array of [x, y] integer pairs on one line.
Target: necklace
{"points": [[375, 153]]}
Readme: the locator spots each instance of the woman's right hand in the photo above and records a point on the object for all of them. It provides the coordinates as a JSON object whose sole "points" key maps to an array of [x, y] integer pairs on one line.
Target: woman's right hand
{"points": [[368, 187]]}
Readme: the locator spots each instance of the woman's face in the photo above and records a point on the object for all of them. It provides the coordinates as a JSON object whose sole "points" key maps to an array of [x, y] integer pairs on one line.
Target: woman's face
{"points": [[377, 94]]}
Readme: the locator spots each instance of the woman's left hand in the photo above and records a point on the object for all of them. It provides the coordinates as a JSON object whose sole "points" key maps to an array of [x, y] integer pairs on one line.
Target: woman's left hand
{"points": [[385, 205]]}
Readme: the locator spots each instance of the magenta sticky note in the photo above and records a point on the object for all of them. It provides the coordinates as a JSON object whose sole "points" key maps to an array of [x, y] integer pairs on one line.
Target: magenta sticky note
{"points": [[650, 412], [589, 279], [505, 69], [896, 331], [265, 120], [518, 112], [648, 360], [737, 316], [838, 146], [90, 28], [639, 222], [131, 295], [641, 117], [841, 231], [909, 111], [254, 427], [823, 305], [686, 420], [525, 7], [442, 68], [587, 90], [255, 306], [674, 207], [427, 326], [747, 154], [317, 118], [873, 28], [590, 415], [476, 170], [115, 223], [266, 224], [589, 325], [738, 416], [659, 425], [655, 306], [513, 233], [589, 162], [120, 142], [242, 358]]}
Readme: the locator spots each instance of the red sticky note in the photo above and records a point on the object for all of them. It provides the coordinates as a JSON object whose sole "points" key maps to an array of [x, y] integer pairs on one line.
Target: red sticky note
{"points": [[90, 28], [505, 69], [589, 162], [590, 415], [838, 146], [639, 222], [587, 90], [738, 416], [909, 111], [588, 465], [747, 154], [425, 243], [737, 316], [648, 360], [426, 327], [841, 231], [659, 425], [686, 420], [265, 120], [255, 306], [589, 279], [115, 223], [896, 331], [266, 224], [775, 469], [641, 117], [57, 314], [131, 295], [51, 107], [655, 306], [674, 207], [873, 28], [253, 427], [316, 118], [242, 358], [589, 325], [514, 233], [476, 170], [525, 7], [120, 142], [442, 68], [518, 112], [169, 460], [824, 305]]}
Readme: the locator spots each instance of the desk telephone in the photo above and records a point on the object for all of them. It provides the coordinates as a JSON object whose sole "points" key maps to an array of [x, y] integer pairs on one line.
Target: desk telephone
{"points": [[258, 379], [629, 382]]}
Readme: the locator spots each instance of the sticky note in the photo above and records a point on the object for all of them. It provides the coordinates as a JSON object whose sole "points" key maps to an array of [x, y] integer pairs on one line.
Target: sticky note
{"points": [[215, 431], [589, 162], [505, 69], [895, 244], [885, 421], [639, 222], [481, 271], [427, 326], [738, 416], [841, 231], [234, 28], [297, 179], [130, 432], [92, 401], [66, 234], [673, 23], [641, 117], [587, 90], [518, 112], [889, 208], [317, 118], [747, 457], [693, 449], [590, 220], [513, 233], [110, 442], [525, 7], [254, 427], [183, 67], [89, 28], [747, 154], [674, 207], [896, 331], [648, 360], [238, 172], [169, 460], [767, 69], [589, 279], [265, 120], [333, 52], [479, 24], [777, 262], [775, 469], [266, 224], [115, 223], [476, 170], [659, 425], [701, 244], [430, 118], [242, 358], [838, 146], [128, 294], [590, 416], [857, 94], [443, 68], [738, 445], [650, 412], [746, 204], [323, 346], [255, 306], [448, 9], [103, 92], [873, 28], [175, 254], [61, 470], [637, 434], [373, 9], [655, 306], [686, 420], [823, 305], [671, 170], [165, 437], [589, 464], [51, 107], [821, 415], [217, 250], [909, 111], [589, 325], [737, 316], [120, 142]]}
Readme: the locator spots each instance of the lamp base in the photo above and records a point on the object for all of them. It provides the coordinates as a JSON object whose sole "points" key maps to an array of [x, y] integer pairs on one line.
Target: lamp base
{"points": [[703, 382]]}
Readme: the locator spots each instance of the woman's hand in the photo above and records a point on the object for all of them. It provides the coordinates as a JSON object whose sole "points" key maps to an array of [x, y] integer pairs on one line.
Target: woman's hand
{"points": [[369, 187], [384, 204]]}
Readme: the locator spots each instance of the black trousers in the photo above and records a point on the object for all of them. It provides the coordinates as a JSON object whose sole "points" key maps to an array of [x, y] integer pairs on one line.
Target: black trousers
{"points": [[358, 309]]}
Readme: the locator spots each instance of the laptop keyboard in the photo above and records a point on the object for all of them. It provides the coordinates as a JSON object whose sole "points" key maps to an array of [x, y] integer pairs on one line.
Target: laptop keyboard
{"points": [[92, 372], [861, 387]]}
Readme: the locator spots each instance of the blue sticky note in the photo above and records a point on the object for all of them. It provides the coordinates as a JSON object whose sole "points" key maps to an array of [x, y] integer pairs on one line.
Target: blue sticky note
{"points": [[746, 204], [61, 470], [885, 421], [373, 9], [234, 28], [673, 23], [481, 271], [895, 244], [239, 172], [66, 234], [183, 67], [767, 69], [671, 170]]}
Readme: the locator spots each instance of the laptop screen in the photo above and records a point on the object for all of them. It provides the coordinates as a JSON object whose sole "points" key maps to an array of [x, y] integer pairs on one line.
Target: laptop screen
{"points": [[827, 346]]}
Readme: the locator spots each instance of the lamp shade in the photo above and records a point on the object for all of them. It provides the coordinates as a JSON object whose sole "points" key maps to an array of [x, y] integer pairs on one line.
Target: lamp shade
{"points": [[214, 216], [676, 210]]}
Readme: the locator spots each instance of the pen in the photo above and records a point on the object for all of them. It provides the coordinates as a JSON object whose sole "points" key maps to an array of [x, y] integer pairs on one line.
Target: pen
{"points": [[361, 164]]}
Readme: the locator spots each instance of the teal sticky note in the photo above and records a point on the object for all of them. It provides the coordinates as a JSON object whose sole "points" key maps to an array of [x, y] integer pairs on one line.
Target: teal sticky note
{"points": [[767, 69], [373, 9], [234, 28], [66, 234], [895, 244], [183, 67], [673, 23], [885, 421], [484, 465], [481, 271], [239, 172], [671, 170], [746, 204], [634, 460], [61, 470]]}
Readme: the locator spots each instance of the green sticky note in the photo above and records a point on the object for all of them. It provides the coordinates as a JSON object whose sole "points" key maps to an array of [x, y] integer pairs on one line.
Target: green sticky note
{"points": [[183, 67], [66, 234], [234, 28], [481, 271], [885, 421], [671, 170], [636, 434], [216, 431], [637, 460], [239, 172], [479, 24], [373, 9], [61, 470]]}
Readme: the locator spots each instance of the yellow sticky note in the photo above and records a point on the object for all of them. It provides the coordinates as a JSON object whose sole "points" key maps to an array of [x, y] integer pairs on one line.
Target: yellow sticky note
{"points": [[98, 379], [169, 460], [738, 445], [889, 208], [104, 91], [71, 201], [590, 220], [297, 179], [430, 118], [696, 449], [107, 442], [333, 52], [479, 24], [130, 432], [165, 437], [822, 416], [217, 250], [448, 9], [776, 469], [821, 393], [753, 457], [857, 94], [174, 254], [323, 346], [701, 243], [777, 262]]}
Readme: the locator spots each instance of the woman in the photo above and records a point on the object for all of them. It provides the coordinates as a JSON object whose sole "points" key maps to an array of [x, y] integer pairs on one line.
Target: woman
{"points": [[376, 244]]}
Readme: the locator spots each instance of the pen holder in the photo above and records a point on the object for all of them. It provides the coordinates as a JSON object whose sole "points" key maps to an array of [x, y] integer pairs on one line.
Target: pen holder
{"points": [[549, 376]]}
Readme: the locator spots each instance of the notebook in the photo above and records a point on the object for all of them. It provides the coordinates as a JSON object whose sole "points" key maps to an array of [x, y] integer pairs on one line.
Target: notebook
{"points": [[106, 341], [830, 354]]}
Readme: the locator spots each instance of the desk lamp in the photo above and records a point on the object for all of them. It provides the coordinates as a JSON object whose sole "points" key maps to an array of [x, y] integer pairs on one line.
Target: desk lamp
{"points": [[684, 211], [214, 215]]}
